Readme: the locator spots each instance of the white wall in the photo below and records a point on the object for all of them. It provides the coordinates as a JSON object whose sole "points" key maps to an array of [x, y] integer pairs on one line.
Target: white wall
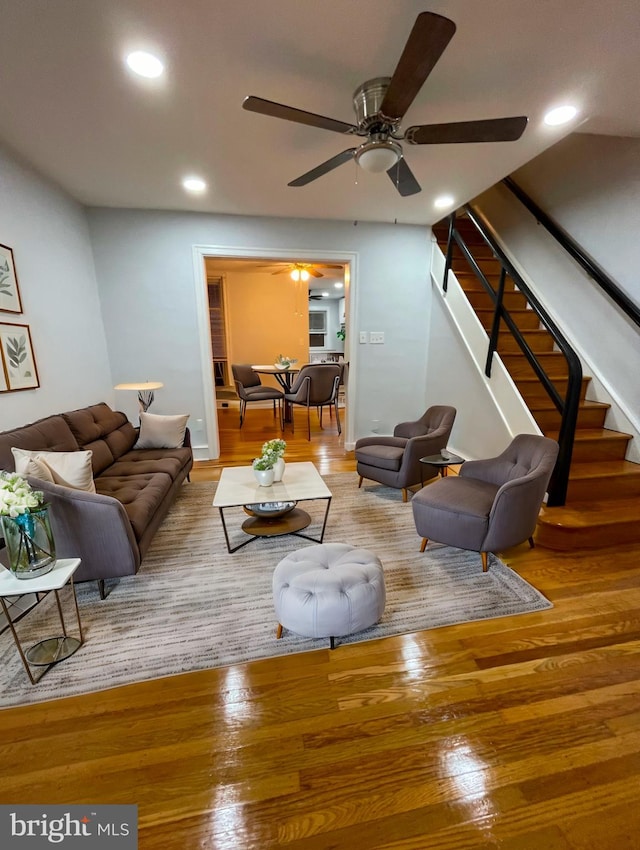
{"points": [[590, 186], [144, 262], [49, 237]]}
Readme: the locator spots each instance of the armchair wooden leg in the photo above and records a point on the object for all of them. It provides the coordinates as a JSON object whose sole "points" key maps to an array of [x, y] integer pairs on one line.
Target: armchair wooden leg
{"points": [[423, 545], [531, 543], [404, 494], [279, 631], [485, 566], [360, 481]]}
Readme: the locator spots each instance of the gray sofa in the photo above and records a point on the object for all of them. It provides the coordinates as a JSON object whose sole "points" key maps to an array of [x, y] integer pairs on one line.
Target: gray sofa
{"points": [[110, 530]]}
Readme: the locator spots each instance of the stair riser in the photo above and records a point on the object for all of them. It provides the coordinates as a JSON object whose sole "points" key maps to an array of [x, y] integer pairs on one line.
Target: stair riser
{"points": [[512, 300], [533, 391], [519, 366], [539, 343], [486, 264], [550, 420], [525, 320], [469, 282], [597, 450], [594, 489]]}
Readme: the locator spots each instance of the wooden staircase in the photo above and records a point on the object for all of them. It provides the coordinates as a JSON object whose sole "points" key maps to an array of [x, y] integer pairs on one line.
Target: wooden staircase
{"points": [[603, 499]]}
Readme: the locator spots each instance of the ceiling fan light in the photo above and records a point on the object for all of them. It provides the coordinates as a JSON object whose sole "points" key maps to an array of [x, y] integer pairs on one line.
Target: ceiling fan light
{"points": [[378, 156], [304, 274], [295, 274]]}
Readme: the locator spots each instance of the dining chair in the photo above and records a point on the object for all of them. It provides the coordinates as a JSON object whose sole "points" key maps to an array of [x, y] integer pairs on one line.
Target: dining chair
{"points": [[250, 388], [316, 386]]}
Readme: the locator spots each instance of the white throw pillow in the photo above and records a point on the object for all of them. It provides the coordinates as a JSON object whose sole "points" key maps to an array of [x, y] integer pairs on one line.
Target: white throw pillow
{"points": [[161, 432], [69, 469]]}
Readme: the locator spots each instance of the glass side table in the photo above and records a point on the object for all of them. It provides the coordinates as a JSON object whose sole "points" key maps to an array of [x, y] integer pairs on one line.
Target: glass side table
{"points": [[442, 460], [51, 650]]}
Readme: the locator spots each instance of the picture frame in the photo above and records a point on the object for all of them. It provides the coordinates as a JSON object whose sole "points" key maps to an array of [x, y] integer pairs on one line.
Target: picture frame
{"points": [[17, 358], [9, 291]]}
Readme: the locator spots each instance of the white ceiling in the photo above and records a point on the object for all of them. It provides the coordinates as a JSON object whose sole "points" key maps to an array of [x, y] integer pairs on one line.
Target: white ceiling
{"points": [[68, 107]]}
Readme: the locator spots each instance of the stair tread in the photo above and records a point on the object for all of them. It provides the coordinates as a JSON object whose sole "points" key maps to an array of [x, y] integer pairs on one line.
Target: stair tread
{"points": [[586, 404], [587, 514], [595, 434]]}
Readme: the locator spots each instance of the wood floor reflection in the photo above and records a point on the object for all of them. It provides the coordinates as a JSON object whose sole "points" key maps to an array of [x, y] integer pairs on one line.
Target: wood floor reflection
{"points": [[516, 733]]}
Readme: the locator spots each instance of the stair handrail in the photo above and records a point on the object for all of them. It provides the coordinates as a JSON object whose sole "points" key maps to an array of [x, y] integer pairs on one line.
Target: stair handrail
{"points": [[575, 250], [567, 406]]}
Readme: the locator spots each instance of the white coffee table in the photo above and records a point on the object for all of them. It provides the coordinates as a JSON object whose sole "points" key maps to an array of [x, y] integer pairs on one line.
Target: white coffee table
{"points": [[50, 651], [301, 482]]}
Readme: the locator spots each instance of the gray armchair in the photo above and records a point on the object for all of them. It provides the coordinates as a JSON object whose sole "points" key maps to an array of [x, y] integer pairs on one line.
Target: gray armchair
{"points": [[395, 461], [491, 504], [249, 388]]}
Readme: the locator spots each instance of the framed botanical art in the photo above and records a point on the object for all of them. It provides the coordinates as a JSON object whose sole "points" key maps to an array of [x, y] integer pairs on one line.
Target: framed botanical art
{"points": [[9, 292], [18, 361]]}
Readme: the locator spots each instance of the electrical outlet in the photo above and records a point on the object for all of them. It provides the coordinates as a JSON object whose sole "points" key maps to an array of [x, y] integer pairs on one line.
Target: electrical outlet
{"points": [[376, 337], [363, 336]]}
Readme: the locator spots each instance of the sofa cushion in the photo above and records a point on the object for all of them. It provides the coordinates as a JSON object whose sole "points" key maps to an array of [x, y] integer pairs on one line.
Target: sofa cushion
{"points": [[141, 461], [91, 426], [69, 469], [121, 440], [49, 434], [161, 432], [140, 495]]}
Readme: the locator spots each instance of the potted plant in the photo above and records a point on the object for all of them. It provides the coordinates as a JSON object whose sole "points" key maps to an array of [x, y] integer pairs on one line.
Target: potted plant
{"points": [[277, 447], [26, 527], [263, 468]]}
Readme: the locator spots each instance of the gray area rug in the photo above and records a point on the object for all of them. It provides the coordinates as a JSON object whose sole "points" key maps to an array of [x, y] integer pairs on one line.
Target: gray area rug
{"points": [[192, 606]]}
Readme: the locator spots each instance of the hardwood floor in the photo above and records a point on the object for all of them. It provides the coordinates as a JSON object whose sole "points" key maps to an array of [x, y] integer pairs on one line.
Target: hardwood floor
{"points": [[516, 733]]}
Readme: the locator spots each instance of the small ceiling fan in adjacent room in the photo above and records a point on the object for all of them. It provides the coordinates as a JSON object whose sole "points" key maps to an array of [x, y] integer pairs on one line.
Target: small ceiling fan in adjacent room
{"points": [[380, 105], [302, 271]]}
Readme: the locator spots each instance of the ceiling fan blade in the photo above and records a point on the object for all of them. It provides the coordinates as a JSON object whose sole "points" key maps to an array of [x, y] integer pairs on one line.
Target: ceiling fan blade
{"points": [[324, 168], [282, 271], [425, 45], [489, 130], [279, 110], [403, 179], [315, 273], [329, 265]]}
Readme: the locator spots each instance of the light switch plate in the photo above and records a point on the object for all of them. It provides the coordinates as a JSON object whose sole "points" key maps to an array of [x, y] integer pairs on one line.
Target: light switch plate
{"points": [[363, 336], [376, 337]]}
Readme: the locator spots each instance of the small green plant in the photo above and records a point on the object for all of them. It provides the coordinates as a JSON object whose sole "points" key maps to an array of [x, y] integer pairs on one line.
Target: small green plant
{"points": [[267, 460], [276, 446], [341, 334]]}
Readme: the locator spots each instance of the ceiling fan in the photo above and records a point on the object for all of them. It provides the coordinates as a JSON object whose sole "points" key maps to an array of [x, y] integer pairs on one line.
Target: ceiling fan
{"points": [[302, 271], [380, 105]]}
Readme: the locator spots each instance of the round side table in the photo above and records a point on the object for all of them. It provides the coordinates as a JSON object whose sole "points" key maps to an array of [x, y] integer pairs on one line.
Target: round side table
{"points": [[442, 460]]}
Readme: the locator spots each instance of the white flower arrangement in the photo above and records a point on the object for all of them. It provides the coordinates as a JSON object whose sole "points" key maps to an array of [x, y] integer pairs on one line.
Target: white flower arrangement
{"points": [[17, 496], [276, 446], [267, 460]]}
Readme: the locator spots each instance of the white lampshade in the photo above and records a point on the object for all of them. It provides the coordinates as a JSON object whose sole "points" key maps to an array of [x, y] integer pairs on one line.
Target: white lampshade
{"points": [[378, 156], [145, 391]]}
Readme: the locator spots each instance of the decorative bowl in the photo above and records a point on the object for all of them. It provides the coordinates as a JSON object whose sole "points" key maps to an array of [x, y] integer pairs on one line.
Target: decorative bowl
{"points": [[272, 510]]}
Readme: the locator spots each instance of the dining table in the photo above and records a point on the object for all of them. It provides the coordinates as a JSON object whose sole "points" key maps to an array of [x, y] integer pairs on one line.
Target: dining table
{"points": [[285, 378]]}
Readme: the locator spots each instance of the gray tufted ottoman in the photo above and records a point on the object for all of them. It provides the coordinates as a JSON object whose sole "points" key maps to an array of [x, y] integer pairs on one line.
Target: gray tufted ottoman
{"points": [[328, 590]]}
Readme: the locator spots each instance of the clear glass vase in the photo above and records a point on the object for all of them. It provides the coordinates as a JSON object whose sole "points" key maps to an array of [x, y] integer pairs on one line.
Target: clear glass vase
{"points": [[30, 545]]}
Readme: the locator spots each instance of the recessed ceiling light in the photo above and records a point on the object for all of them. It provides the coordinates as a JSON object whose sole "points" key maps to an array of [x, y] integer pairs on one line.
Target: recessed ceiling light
{"points": [[145, 64], [560, 115], [325, 294], [338, 285], [194, 184], [443, 201]]}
